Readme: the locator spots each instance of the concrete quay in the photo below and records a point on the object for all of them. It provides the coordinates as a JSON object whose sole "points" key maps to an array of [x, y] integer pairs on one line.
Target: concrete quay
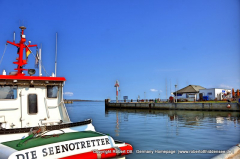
{"points": [[176, 106], [68, 101]]}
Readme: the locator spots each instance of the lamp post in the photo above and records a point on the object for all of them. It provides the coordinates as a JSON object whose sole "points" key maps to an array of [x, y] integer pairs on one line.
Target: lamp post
{"points": [[116, 85], [159, 97], [176, 92]]}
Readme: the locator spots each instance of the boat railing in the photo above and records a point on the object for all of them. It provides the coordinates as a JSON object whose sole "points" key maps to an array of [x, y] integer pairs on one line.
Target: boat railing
{"points": [[4, 120], [64, 111], [45, 101]]}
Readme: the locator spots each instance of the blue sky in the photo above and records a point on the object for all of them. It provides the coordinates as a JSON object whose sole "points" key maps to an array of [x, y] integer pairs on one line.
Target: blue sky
{"points": [[147, 45]]}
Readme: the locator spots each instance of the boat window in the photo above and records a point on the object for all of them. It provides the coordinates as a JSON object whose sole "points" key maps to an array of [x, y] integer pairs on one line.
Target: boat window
{"points": [[52, 91], [8, 92], [32, 104]]}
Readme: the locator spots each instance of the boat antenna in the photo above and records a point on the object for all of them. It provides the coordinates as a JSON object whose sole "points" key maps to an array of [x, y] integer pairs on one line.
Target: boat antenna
{"points": [[40, 61], [56, 58], [14, 36]]}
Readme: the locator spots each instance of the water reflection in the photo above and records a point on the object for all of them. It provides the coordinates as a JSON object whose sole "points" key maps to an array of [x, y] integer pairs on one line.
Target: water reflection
{"points": [[117, 125], [118, 120], [179, 118]]}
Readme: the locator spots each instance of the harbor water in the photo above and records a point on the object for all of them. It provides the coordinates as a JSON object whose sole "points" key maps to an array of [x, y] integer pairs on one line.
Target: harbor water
{"points": [[160, 134]]}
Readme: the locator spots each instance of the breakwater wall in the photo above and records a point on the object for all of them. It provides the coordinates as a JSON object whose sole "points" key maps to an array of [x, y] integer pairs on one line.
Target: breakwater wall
{"points": [[68, 101], [176, 106]]}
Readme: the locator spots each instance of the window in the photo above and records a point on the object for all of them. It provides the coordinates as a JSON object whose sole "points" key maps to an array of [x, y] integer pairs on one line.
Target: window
{"points": [[32, 104], [52, 91], [8, 92], [209, 93]]}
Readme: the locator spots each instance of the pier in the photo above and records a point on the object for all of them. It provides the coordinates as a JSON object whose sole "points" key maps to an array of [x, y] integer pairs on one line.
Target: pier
{"points": [[202, 106], [68, 101]]}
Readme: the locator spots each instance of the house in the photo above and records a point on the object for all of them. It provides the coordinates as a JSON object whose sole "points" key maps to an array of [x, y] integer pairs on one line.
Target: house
{"points": [[215, 93], [190, 93]]}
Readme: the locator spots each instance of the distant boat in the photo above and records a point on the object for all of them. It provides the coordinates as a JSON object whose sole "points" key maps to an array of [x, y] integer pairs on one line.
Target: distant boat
{"points": [[34, 122]]}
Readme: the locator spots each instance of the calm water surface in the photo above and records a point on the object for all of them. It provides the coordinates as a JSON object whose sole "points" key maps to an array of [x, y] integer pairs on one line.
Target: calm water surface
{"points": [[163, 130]]}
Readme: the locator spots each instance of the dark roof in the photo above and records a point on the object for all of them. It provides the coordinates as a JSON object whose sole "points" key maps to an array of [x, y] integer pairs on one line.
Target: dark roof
{"points": [[189, 89]]}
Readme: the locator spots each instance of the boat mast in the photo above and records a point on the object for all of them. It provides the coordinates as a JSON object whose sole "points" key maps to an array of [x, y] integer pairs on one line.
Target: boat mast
{"points": [[21, 45]]}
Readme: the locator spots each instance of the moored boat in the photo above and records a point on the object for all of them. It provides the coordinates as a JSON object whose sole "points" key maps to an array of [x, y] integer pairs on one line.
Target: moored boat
{"points": [[34, 122]]}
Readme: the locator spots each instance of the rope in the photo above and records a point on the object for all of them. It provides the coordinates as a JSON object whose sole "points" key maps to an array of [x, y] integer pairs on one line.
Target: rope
{"points": [[39, 61], [45, 70], [38, 134], [42, 65], [3, 53], [49, 136]]}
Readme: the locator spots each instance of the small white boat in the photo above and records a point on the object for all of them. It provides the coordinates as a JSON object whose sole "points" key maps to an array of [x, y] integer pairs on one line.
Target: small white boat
{"points": [[34, 122]]}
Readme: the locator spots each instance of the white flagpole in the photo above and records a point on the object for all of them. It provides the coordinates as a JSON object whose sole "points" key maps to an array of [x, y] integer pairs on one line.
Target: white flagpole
{"points": [[40, 62], [56, 58]]}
